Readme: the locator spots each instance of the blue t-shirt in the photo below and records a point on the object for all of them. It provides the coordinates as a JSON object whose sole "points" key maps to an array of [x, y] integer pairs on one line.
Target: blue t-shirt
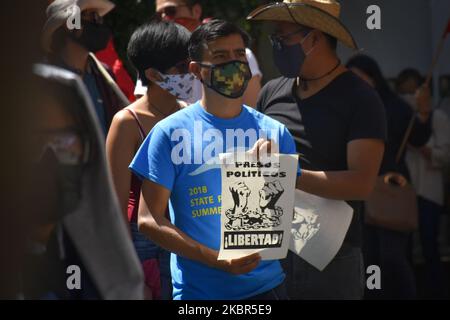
{"points": [[179, 155]]}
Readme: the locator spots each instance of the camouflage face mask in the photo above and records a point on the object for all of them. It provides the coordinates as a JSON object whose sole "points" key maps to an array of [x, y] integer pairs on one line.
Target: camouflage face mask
{"points": [[229, 79]]}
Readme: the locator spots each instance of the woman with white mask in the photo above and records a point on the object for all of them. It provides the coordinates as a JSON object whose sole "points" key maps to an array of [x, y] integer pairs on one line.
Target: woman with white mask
{"points": [[159, 52]]}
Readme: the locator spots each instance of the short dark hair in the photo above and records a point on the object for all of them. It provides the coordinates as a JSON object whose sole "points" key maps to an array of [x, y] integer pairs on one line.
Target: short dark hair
{"points": [[159, 45], [370, 67], [211, 31]]}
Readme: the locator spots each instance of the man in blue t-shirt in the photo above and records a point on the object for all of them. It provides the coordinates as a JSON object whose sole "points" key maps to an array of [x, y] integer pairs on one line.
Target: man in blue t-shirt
{"points": [[178, 162]]}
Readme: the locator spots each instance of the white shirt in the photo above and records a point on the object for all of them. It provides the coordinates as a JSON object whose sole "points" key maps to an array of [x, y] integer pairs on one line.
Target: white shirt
{"points": [[428, 177], [141, 90]]}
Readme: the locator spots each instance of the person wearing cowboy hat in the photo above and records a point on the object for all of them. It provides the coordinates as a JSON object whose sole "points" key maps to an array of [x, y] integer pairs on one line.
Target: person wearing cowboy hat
{"points": [[71, 46], [339, 126]]}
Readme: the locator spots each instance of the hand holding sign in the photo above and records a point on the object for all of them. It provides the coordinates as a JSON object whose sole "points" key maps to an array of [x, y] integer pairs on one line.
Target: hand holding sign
{"points": [[257, 203], [262, 149], [238, 266]]}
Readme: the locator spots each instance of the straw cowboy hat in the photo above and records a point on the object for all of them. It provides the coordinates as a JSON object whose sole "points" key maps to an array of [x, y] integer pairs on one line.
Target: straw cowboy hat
{"points": [[322, 15], [60, 11]]}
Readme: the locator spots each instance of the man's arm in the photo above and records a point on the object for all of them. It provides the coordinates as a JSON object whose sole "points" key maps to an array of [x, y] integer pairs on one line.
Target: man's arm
{"points": [[364, 159], [152, 222]]}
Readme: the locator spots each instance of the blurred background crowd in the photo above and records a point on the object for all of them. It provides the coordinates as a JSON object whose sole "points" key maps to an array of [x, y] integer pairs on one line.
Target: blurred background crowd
{"points": [[97, 75]]}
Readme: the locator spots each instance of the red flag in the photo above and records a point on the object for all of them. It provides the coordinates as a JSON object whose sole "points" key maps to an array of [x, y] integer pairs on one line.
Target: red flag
{"points": [[447, 30]]}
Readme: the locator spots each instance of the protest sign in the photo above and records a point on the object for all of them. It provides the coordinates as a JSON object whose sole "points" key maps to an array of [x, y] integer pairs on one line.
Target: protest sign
{"points": [[257, 205]]}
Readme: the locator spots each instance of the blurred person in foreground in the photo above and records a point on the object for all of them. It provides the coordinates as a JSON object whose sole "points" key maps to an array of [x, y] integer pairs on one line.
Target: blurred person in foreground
{"points": [[18, 114], [385, 248], [426, 166], [78, 237]]}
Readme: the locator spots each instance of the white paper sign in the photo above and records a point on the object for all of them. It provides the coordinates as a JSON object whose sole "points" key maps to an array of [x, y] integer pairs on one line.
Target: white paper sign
{"points": [[257, 205], [318, 228]]}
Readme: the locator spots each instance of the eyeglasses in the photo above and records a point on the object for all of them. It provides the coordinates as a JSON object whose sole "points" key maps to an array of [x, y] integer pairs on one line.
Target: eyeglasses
{"points": [[278, 40], [68, 147], [170, 11]]}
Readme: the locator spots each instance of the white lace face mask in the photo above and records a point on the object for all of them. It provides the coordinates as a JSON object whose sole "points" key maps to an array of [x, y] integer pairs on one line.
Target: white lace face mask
{"points": [[178, 85]]}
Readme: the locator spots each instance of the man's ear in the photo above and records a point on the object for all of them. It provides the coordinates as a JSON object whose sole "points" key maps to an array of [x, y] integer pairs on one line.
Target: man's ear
{"points": [[153, 75], [197, 11], [195, 68]]}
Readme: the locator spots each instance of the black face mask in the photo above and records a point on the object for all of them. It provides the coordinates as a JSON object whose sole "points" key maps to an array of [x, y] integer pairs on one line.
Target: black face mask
{"points": [[94, 36], [288, 59], [57, 188]]}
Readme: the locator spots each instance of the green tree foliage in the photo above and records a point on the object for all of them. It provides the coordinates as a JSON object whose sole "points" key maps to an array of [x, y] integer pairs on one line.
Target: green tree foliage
{"points": [[235, 11]]}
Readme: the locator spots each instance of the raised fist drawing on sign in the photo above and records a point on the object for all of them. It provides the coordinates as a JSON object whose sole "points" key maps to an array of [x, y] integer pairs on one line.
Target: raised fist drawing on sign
{"points": [[240, 193], [269, 195]]}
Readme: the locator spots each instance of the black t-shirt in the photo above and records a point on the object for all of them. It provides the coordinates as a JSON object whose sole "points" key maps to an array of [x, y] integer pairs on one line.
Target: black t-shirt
{"points": [[322, 125]]}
